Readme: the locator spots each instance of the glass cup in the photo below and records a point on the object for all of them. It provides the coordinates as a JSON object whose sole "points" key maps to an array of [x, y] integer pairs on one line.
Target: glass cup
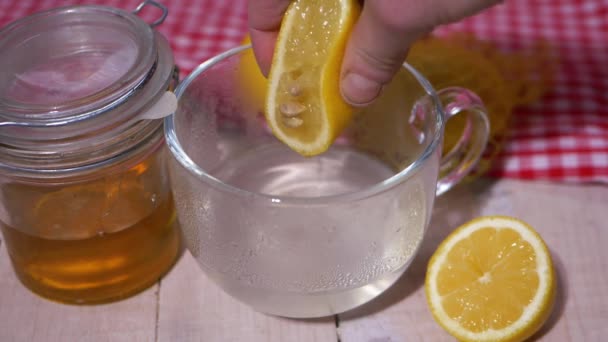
{"points": [[301, 236]]}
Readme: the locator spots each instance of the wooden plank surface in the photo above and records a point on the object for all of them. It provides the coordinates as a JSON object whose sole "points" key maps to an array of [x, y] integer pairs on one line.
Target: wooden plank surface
{"points": [[26, 317], [571, 219], [186, 306]]}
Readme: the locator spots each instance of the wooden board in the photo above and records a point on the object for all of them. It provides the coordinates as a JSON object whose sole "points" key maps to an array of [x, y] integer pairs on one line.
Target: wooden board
{"points": [[26, 317], [571, 219], [186, 306]]}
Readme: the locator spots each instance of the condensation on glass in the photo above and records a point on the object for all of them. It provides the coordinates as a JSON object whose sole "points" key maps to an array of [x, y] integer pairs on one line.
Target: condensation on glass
{"points": [[85, 206]]}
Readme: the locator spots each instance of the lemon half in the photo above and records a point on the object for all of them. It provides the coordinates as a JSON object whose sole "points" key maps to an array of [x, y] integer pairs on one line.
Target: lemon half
{"points": [[492, 279], [304, 107]]}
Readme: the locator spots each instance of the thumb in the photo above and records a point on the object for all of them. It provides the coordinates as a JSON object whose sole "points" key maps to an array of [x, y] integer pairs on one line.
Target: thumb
{"points": [[376, 49]]}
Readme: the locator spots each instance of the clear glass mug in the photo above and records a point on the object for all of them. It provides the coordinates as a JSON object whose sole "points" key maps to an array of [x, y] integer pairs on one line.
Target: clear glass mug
{"points": [[310, 237]]}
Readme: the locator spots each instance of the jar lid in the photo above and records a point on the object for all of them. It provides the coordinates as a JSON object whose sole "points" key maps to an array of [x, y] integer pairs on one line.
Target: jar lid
{"points": [[71, 63], [81, 88]]}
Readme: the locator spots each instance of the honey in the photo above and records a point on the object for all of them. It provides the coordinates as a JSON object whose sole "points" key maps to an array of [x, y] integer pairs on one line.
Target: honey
{"points": [[96, 242]]}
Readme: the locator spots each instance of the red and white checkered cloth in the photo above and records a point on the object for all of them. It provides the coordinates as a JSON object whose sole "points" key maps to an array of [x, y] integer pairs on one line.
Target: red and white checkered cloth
{"points": [[564, 137]]}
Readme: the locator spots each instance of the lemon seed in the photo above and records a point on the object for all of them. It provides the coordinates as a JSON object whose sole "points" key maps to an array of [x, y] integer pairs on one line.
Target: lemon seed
{"points": [[293, 122], [294, 90], [291, 108]]}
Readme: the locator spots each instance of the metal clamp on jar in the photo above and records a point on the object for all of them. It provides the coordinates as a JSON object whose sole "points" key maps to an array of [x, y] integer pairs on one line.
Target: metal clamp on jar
{"points": [[85, 205]]}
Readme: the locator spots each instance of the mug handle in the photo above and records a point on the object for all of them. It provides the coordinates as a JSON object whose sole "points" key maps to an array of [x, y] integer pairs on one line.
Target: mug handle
{"points": [[465, 155]]}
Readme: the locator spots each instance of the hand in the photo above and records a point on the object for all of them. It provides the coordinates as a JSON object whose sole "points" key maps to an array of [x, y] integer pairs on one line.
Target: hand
{"points": [[378, 44]]}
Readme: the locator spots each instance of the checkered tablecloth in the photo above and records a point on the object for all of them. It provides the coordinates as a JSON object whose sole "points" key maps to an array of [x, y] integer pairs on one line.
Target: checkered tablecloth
{"points": [[563, 137]]}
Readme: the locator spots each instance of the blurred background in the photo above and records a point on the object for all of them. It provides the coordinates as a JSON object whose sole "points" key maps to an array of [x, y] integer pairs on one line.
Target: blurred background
{"points": [[541, 67]]}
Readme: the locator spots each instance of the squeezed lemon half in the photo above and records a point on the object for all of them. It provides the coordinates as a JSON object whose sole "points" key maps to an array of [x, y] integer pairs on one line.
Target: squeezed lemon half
{"points": [[304, 107]]}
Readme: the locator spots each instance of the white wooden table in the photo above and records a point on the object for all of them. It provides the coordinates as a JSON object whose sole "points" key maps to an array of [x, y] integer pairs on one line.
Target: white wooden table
{"points": [[186, 306]]}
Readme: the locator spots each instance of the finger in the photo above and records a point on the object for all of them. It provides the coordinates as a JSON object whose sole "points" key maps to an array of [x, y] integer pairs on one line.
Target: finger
{"points": [[382, 36], [378, 46], [264, 20]]}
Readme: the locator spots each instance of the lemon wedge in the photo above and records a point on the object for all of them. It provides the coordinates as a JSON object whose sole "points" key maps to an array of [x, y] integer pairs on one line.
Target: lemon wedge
{"points": [[304, 107], [492, 279]]}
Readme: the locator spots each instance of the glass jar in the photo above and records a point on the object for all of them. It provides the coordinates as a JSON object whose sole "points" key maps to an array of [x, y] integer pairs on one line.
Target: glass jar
{"points": [[85, 204]]}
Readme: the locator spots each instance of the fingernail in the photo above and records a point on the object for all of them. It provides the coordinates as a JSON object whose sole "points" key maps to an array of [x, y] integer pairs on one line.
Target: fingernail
{"points": [[359, 90]]}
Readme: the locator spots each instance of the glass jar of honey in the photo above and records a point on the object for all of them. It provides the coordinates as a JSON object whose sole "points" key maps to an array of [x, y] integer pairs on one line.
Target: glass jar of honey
{"points": [[85, 206]]}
